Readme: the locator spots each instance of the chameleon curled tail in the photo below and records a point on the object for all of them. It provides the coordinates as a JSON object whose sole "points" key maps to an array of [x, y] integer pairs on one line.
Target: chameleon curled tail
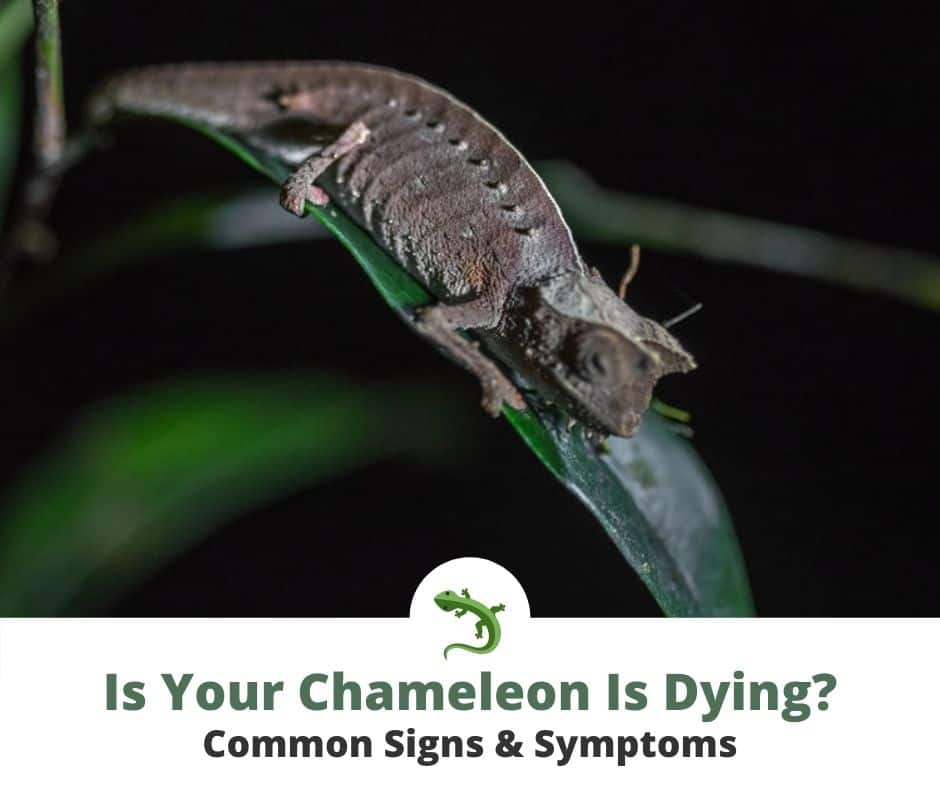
{"points": [[484, 649]]}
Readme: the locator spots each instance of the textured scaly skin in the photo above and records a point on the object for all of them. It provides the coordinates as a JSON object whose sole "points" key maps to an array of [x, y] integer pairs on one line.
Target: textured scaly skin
{"points": [[436, 185]]}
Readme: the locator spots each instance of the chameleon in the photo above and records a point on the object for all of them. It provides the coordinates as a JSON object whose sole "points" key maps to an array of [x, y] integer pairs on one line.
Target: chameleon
{"points": [[486, 619], [454, 203]]}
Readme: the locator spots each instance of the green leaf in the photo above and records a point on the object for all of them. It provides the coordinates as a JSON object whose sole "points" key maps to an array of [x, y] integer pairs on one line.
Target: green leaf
{"points": [[141, 478], [657, 501], [599, 214], [651, 494]]}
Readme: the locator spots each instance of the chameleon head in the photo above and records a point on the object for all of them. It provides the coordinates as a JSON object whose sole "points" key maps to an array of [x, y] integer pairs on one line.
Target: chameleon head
{"points": [[445, 600], [595, 356]]}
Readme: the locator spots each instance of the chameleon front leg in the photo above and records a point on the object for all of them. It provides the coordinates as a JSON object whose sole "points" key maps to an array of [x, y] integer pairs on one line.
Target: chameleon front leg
{"points": [[441, 324], [301, 187], [466, 594]]}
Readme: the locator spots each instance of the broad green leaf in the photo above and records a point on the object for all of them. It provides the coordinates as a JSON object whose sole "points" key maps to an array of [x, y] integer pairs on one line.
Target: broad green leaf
{"points": [[651, 494], [657, 501], [599, 214], [145, 476]]}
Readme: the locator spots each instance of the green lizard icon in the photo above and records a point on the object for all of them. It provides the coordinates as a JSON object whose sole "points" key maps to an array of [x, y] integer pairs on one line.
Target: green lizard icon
{"points": [[448, 600]]}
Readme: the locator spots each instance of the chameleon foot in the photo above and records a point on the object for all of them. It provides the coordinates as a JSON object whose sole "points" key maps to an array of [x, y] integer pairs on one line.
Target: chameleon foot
{"points": [[298, 190], [300, 187], [440, 323], [497, 391]]}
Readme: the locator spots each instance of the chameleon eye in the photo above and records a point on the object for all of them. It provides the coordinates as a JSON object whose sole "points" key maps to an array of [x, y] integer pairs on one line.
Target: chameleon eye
{"points": [[596, 365], [592, 354]]}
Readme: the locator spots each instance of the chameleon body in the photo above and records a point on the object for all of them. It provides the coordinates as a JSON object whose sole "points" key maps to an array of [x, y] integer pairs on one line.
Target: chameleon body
{"points": [[486, 619], [454, 203]]}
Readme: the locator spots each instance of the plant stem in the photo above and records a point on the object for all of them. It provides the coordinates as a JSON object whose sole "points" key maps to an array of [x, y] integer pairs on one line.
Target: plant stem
{"points": [[49, 141], [599, 214]]}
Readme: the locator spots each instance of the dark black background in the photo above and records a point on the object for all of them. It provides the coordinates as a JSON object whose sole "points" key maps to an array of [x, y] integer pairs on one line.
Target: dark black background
{"points": [[815, 407]]}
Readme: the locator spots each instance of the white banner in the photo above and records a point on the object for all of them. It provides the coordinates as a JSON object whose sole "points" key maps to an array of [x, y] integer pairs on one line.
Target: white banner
{"points": [[300, 702]]}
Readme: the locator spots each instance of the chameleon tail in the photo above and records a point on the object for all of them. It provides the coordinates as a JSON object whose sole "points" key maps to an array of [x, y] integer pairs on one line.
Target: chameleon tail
{"points": [[218, 95], [467, 647]]}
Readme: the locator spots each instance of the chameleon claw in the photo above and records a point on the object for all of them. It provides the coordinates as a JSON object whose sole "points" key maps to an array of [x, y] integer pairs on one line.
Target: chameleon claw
{"points": [[296, 192], [466, 593], [460, 613], [496, 392], [498, 608]]}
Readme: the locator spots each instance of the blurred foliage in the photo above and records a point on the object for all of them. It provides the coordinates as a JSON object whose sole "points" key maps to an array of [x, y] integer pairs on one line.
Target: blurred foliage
{"points": [[683, 550], [147, 475], [599, 214], [16, 21], [234, 220], [10, 100], [218, 221]]}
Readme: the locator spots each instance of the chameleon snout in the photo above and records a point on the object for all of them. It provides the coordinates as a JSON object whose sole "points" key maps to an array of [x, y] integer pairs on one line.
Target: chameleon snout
{"points": [[444, 600]]}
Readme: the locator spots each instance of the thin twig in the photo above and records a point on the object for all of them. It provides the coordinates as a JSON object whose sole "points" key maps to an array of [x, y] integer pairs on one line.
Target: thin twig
{"points": [[674, 321], [630, 272]]}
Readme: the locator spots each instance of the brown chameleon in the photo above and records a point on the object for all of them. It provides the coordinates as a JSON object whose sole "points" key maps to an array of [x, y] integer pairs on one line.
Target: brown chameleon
{"points": [[454, 203]]}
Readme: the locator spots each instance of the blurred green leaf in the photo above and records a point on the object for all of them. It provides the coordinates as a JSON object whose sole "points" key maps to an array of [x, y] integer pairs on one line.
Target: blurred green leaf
{"points": [[10, 100], [143, 477], [230, 220], [234, 220], [599, 214], [651, 494], [16, 20]]}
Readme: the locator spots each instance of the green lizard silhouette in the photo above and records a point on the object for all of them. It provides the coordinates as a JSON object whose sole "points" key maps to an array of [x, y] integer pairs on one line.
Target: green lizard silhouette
{"points": [[448, 600]]}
